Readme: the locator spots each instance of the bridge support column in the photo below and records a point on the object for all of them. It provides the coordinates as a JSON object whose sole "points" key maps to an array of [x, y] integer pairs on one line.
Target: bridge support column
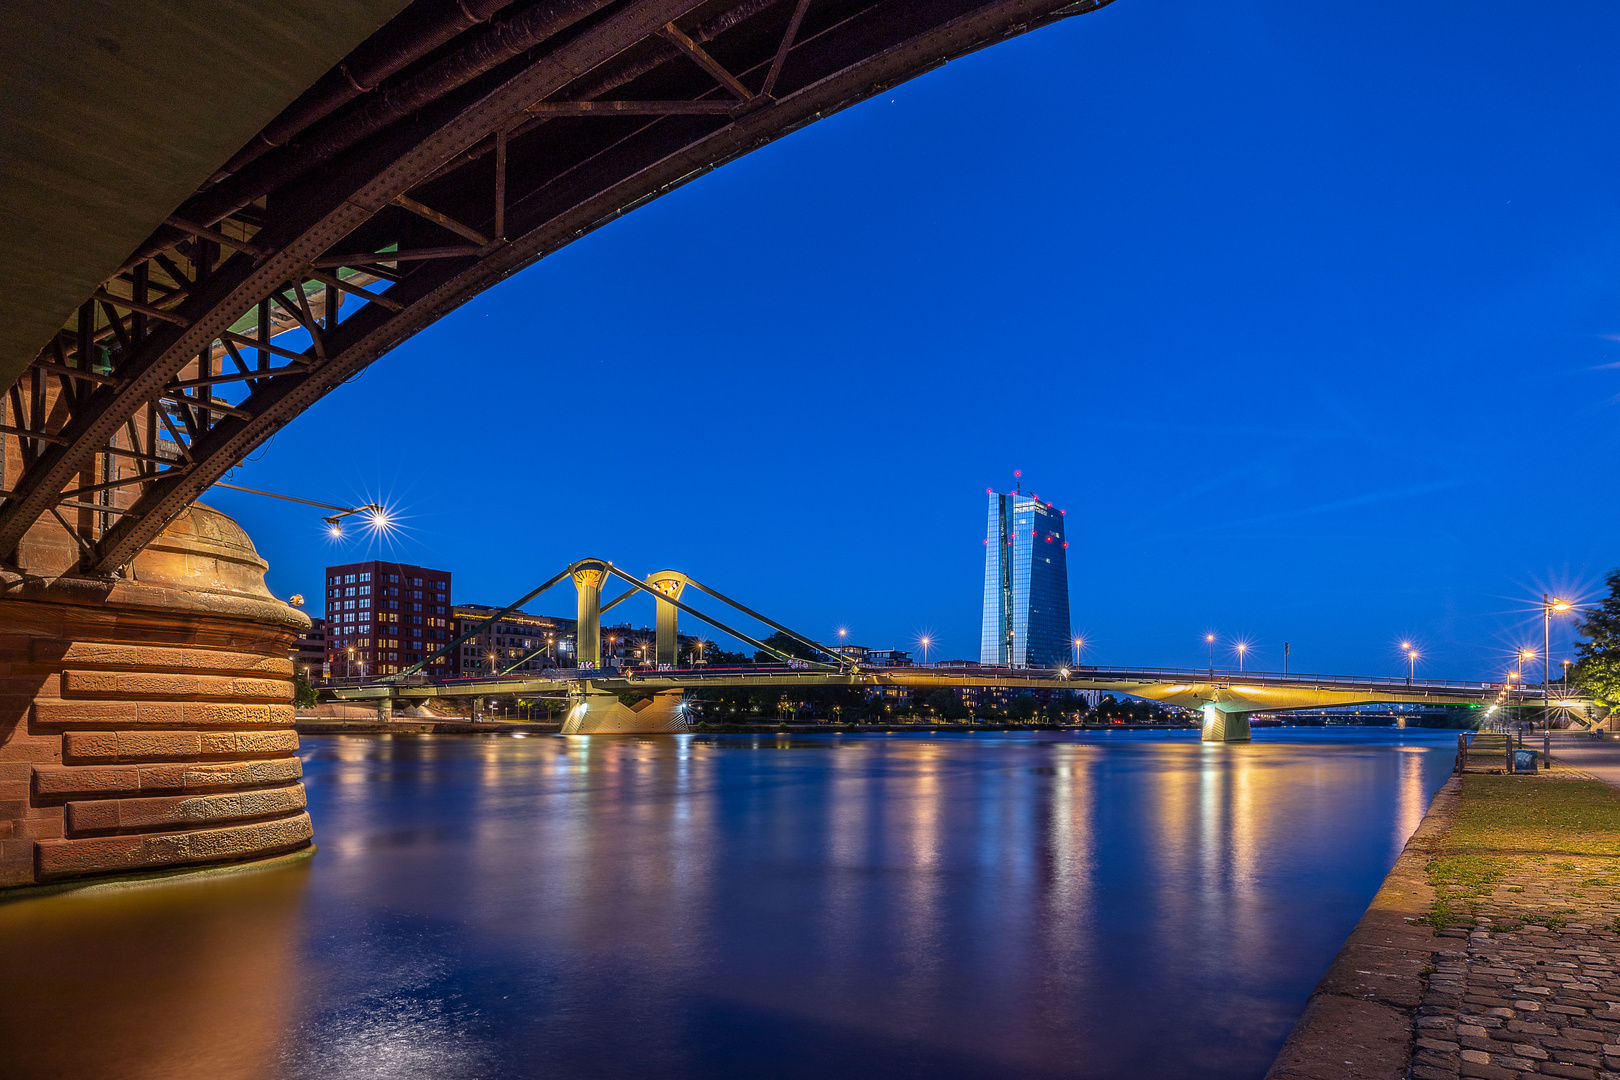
{"points": [[594, 711], [146, 723], [668, 583], [1225, 727], [588, 577]]}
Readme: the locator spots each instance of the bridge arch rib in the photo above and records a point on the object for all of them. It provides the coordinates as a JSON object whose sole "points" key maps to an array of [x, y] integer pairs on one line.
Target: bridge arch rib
{"points": [[506, 140]]}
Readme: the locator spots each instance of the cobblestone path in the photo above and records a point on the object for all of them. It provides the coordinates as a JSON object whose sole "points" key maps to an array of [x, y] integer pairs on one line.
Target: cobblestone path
{"points": [[1534, 987]]}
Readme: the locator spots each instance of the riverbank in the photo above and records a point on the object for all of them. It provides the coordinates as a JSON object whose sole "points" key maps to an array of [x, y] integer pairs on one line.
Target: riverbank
{"points": [[1490, 952]]}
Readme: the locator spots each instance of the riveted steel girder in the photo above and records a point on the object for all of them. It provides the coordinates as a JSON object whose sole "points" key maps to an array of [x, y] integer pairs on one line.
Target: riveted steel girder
{"points": [[506, 155]]}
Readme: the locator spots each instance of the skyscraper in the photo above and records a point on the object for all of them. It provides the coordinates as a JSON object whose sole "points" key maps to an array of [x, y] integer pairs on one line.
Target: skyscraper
{"points": [[1026, 584]]}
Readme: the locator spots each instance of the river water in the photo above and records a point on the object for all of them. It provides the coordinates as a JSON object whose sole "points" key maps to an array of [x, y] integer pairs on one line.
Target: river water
{"points": [[962, 906]]}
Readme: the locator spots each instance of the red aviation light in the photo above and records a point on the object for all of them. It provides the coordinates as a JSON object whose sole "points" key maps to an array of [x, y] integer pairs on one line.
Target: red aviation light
{"points": [[1063, 511], [1049, 506], [987, 541], [1065, 543], [1048, 539], [989, 491]]}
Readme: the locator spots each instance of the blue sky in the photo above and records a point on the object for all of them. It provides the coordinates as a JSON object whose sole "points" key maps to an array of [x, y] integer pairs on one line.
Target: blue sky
{"points": [[1308, 314]]}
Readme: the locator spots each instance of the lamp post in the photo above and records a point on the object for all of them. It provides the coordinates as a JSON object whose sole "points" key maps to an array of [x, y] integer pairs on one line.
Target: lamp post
{"points": [[925, 641], [1241, 648], [1549, 604], [1079, 643], [1210, 638], [1411, 661], [1518, 673], [348, 664]]}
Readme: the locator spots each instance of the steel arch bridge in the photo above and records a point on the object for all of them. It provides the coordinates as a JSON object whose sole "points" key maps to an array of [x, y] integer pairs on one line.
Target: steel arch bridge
{"points": [[458, 143]]}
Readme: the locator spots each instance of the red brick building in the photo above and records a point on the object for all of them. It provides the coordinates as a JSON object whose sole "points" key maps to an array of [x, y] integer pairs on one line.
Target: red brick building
{"points": [[384, 616]]}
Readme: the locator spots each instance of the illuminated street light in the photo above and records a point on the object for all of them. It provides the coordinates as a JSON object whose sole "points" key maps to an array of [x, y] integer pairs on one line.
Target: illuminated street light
{"points": [[925, 641], [1411, 661], [377, 517], [1210, 638], [1241, 649], [1549, 604], [1079, 643]]}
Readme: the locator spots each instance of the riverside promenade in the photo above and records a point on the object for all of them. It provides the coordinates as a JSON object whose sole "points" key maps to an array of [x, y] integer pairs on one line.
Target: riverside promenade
{"points": [[1492, 949]]}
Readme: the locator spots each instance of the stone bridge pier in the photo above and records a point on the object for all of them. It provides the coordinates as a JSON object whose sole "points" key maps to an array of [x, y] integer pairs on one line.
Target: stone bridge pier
{"points": [[145, 722]]}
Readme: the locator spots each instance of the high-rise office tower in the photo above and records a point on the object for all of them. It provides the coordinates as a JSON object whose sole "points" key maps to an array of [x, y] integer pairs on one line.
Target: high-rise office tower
{"points": [[1026, 585]]}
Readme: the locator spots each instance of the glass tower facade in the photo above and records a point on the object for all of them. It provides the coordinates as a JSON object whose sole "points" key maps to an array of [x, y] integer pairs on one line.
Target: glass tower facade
{"points": [[1026, 585]]}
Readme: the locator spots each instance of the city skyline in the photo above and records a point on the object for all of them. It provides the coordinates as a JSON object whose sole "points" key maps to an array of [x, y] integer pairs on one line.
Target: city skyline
{"points": [[1309, 364]]}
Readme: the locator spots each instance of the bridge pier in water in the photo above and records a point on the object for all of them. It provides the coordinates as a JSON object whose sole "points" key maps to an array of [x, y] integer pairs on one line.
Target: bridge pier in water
{"points": [[594, 711], [1224, 727], [146, 722]]}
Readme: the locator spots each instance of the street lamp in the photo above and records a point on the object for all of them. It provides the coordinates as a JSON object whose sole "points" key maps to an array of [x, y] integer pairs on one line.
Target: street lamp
{"points": [[1241, 648], [348, 664], [1411, 660], [1210, 638], [1079, 643], [925, 641], [1524, 654], [1549, 604]]}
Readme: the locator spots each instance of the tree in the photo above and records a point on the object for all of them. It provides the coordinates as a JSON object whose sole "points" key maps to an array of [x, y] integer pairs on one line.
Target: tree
{"points": [[1022, 707], [304, 695], [1597, 664], [947, 704], [784, 644]]}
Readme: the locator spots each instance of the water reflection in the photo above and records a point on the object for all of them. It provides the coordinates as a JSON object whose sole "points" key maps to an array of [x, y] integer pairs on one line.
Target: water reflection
{"points": [[974, 906], [194, 979]]}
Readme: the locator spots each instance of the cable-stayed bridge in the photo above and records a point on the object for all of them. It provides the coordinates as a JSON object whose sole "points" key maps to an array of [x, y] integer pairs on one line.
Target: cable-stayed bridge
{"points": [[1227, 699]]}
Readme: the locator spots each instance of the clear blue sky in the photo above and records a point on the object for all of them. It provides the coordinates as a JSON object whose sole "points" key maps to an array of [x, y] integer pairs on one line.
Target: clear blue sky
{"points": [[1309, 315]]}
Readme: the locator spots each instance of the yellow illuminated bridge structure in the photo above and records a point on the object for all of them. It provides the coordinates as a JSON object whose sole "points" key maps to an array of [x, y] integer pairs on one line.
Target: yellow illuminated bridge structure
{"points": [[1227, 699]]}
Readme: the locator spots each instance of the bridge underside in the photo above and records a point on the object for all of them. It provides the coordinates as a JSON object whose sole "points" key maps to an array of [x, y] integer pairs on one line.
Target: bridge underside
{"points": [[408, 156], [463, 141]]}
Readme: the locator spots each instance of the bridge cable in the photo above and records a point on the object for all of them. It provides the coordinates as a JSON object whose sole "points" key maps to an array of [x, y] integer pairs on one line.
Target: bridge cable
{"points": [[739, 635], [773, 625], [478, 626]]}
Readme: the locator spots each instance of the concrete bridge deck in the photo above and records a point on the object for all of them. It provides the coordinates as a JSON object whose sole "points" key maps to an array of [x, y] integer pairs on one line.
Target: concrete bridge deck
{"points": [[1227, 698]]}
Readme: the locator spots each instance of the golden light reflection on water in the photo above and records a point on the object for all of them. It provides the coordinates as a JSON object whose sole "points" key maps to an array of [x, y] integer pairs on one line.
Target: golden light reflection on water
{"points": [[184, 980], [990, 907]]}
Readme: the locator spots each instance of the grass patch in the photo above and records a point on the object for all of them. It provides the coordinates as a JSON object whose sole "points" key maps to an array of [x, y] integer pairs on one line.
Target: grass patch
{"points": [[1541, 814], [1549, 828], [1468, 875]]}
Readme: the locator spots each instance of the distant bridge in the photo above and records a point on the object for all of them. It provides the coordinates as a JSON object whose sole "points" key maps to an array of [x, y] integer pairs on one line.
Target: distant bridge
{"points": [[1226, 698]]}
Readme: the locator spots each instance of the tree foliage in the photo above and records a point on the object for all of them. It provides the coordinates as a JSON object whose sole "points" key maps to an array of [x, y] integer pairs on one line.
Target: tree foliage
{"points": [[1597, 663], [784, 644], [304, 695], [947, 704]]}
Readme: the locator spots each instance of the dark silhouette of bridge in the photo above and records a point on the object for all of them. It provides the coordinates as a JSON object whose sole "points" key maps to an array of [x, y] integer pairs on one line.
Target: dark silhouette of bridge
{"points": [[456, 145]]}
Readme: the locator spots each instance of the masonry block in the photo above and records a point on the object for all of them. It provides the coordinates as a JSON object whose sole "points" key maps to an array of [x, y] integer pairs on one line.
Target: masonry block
{"points": [[155, 707]]}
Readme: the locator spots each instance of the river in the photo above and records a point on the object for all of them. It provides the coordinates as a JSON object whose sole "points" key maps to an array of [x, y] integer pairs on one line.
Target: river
{"points": [[991, 905]]}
